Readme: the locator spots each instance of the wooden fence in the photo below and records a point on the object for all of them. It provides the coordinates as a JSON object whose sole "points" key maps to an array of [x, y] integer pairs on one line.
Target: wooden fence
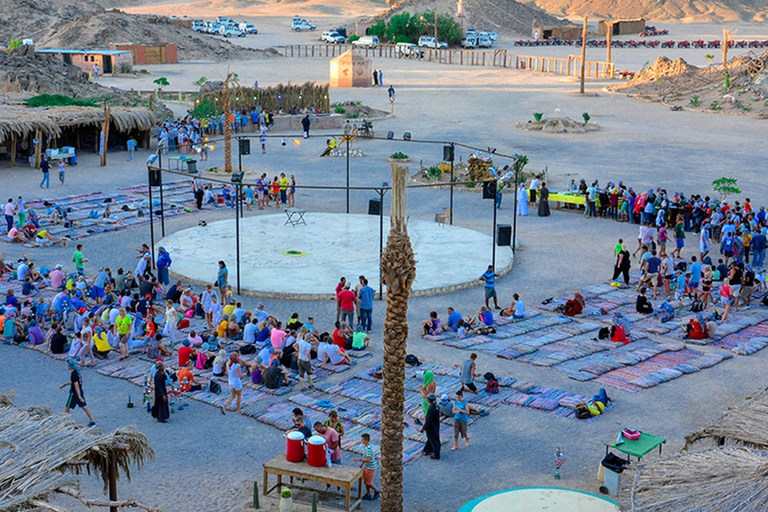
{"points": [[570, 65]]}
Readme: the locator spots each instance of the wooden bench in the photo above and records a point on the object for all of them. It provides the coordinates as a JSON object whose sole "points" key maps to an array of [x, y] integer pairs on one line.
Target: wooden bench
{"points": [[339, 476]]}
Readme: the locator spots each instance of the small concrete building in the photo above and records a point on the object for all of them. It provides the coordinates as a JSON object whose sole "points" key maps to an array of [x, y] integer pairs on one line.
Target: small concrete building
{"points": [[150, 53], [109, 61], [350, 69], [622, 27], [563, 32]]}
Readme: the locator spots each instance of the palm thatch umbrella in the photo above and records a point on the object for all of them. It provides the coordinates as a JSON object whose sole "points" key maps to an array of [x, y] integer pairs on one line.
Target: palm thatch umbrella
{"points": [[41, 452], [398, 271], [731, 479], [745, 425]]}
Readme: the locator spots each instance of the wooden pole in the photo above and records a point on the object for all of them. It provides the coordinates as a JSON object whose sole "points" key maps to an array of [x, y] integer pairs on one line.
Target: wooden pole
{"points": [[14, 143], [608, 38], [38, 147], [726, 36], [583, 53], [436, 40], [105, 131], [113, 468], [227, 125]]}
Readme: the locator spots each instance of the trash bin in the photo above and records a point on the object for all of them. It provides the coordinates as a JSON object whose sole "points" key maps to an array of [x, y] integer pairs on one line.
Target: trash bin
{"points": [[613, 467], [192, 166]]}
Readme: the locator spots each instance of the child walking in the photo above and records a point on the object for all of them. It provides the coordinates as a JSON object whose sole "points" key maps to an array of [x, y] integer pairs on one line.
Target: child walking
{"points": [[369, 464], [460, 420]]}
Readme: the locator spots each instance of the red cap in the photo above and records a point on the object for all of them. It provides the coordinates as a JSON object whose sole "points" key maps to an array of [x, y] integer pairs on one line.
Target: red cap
{"points": [[159, 360], [148, 296]]}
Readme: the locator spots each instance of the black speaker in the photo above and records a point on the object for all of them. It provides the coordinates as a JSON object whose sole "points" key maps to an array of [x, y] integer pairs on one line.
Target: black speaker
{"points": [[448, 153], [237, 177], [489, 189], [407, 136], [390, 135], [374, 207], [245, 146], [155, 178], [503, 235]]}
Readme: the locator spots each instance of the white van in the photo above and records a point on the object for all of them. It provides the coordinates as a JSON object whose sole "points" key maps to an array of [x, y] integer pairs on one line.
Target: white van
{"points": [[430, 42], [484, 42], [469, 42], [408, 50], [367, 41]]}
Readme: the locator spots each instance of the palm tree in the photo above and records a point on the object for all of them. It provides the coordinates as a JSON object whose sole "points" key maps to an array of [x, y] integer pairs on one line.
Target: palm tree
{"points": [[398, 271], [225, 107]]}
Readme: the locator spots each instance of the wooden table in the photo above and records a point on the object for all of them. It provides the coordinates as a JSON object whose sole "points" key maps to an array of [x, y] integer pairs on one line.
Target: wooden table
{"points": [[340, 476]]}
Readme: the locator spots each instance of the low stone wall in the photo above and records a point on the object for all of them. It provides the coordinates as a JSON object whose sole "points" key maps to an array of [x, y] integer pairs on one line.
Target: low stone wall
{"points": [[319, 122]]}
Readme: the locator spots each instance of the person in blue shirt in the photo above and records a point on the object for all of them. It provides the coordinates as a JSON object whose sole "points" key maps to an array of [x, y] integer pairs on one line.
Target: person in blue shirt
{"points": [[452, 322], [489, 278], [366, 295], [131, 146], [460, 420], [679, 284], [758, 247], [163, 262], [693, 282], [651, 275]]}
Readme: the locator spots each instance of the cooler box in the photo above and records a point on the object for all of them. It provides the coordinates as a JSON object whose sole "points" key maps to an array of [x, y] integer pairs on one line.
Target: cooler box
{"points": [[294, 447], [316, 456]]}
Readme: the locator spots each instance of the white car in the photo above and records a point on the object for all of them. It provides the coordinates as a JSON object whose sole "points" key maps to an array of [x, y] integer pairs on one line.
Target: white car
{"points": [[299, 25], [248, 27], [231, 30], [469, 42], [224, 19], [331, 36], [484, 42], [367, 41], [430, 42], [408, 50], [471, 32], [198, 26], [212, 27], [493, 35]]}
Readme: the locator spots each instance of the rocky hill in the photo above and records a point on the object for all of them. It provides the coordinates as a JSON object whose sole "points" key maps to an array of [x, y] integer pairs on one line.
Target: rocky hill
{"points": [[656, 11]]}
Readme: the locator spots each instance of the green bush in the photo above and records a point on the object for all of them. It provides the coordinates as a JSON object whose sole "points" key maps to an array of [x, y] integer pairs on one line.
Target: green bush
{"points": [[537, 116], [352, 39], [403, 39], [377, 29], [399, 156], [205, 109], [340, 110], [434, 173], [14, 43], [58, 100]]}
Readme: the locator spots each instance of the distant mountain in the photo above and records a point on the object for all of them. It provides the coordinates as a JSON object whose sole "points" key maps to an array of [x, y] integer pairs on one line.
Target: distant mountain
{"points": [[655, 11]]}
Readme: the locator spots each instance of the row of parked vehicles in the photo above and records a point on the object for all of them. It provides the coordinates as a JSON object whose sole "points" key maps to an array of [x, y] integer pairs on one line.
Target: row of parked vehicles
{"points": [[224, 26], [698, 43], [474, 39]]}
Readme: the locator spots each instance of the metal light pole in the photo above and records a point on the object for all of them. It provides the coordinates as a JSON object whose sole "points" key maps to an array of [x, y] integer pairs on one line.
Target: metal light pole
{"points": [[347, 174], [453, 157], [514, 219], [162, 204], [493, 258], [151, 214]]}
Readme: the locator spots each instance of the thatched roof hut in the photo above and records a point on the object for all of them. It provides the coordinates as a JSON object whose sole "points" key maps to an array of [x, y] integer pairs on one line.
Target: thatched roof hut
{"points": [[40, 453], [23, 121], [716, 480], [744, 425]]}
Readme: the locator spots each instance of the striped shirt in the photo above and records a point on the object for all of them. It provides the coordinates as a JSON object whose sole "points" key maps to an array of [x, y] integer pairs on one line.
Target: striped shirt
{"points": [[368, 452]]}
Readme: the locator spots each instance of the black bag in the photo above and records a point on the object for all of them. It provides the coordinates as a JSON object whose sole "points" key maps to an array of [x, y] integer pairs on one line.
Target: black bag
{"points": [[614, 463], [247, 349], [489, 376], [582, 413], [604, 333], [697, 306], [681, 266], [214, 387], [412, 360]]}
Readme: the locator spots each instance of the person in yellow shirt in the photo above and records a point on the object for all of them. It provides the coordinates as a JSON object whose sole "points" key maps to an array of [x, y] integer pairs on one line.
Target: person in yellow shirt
{"points": [[283, 188], [221, 329], [229, 308]]}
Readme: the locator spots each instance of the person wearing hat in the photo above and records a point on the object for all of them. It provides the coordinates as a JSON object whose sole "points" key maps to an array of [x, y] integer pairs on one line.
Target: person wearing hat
{"points": [[57, 278], [431, 427], [76, 397], [160, 409], [142, 267], [163, 263]]}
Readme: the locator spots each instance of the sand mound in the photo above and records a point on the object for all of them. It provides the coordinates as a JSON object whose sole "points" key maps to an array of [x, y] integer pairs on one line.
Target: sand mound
{"points": [[558, 125], [686, 11], [503, 16], [665, 67], [24, 70], [98, 28]]}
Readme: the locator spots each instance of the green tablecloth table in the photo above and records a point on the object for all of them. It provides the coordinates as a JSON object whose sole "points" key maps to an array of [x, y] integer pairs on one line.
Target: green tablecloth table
{"points": [[639, 447]]}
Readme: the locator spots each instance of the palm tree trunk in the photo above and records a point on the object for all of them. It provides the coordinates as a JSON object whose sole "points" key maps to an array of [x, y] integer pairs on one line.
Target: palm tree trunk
{"points": [[398, 273], [225, 107]]}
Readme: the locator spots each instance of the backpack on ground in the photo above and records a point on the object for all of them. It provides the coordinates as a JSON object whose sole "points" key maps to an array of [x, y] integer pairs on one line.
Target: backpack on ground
{"points": [[214, 387], [697, 306], [604, 333], [412, 360], [582, 412], [247, 349], [489, 376], [492, 386], [681, 266]]}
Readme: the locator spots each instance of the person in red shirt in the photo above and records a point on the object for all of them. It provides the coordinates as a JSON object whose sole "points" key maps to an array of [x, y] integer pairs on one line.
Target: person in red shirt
{"points": [[185, 354], [339, 288], [341, 334], [347, 298], [150, 329]]}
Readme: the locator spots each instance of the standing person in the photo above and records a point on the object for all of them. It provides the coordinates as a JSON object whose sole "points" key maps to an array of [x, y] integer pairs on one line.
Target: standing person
{"points": [[533, 189], [347, 301], [198, 191], [391, 93], [339, 288], [460, 420], [381, 77], [79, 260], [9, 211], [62, 170], [468, 374], [96, 72], [86, 335], [522, 200], [304, 350], [679, 238], [292, 192], [375, 78], [160, 409], [332, 443], [489, 278], [759, 243], [171, 318], [45, 167], [21, 209], [726, 298], [124, 324], [432, 429], [131, 146], [222, 280], [263, 138], [366, 295], [623, 263], [544, 201], [369, 464], [428, 387], [305, 124], [76, 397], [163, 263], [235, 376], [283, 188]]}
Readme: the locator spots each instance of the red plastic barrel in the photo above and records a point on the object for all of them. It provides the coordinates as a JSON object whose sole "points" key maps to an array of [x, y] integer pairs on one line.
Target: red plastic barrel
{"points": [[294, 447], [316, 452]]}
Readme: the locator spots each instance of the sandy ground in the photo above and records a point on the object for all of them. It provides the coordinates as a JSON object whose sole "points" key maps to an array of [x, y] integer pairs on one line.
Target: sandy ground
{"points": [[208, 462]]}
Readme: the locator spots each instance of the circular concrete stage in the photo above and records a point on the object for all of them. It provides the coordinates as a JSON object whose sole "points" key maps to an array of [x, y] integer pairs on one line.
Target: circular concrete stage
{"points": [[305, 262], [540, 499]]}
